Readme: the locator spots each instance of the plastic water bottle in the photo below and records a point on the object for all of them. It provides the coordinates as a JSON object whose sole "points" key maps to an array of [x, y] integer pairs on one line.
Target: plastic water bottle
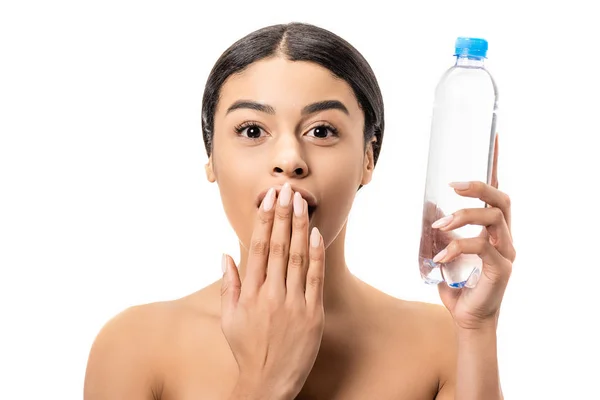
{"points": [[461, 149]]}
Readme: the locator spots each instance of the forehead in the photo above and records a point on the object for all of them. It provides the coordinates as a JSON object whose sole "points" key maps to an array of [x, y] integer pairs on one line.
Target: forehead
{"points": [[286, 84]]}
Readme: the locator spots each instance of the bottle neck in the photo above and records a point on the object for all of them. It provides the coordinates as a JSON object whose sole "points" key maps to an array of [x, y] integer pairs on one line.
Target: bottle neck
{"points": [[473, 62]]}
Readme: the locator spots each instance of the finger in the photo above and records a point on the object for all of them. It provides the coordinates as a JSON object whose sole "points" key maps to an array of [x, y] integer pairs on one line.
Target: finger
{"points": [[488, 194], [230, 286], [298, 259], [280, 244], [315, 276], [433, 240], [498, 268], [494, 179], [491, 218], [258, 253]]}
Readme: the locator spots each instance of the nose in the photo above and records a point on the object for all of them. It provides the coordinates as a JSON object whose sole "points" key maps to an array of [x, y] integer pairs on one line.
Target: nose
{"points": [[288, 159]]}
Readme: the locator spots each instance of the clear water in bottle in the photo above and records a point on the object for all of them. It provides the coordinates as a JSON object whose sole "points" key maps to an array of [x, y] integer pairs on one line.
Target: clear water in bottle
{"points": [[461, 149]]}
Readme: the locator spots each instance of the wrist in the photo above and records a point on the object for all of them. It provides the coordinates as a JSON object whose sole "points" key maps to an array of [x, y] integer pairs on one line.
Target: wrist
{"points": [[476, 336], [255, 389], [478, 326]]}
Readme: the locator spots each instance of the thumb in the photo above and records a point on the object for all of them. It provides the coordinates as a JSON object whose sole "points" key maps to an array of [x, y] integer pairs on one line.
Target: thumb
{"points": [[230, 285]]}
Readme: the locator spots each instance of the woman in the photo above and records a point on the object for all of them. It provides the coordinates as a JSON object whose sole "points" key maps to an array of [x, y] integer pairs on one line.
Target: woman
{"points": [[293, 123]]}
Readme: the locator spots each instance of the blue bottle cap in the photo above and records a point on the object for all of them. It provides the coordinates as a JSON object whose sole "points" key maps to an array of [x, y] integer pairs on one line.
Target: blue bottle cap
{"points": [[471, 47]]}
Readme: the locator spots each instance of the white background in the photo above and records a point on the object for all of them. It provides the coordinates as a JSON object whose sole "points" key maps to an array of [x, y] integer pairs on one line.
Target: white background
{"points": [[104, 202]]}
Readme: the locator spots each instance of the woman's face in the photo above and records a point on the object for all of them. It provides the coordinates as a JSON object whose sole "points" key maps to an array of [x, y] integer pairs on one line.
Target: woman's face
{"points": [[288, 121]]}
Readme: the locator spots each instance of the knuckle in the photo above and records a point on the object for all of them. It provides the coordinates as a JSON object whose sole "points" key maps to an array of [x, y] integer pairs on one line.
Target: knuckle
{"points": [[259, 247], [506, 201], [278, 249], [479, 187], [461, 215], [299, 223], [317, 256], [482, 243], [282, 213], [314, 281], [272, 307], [498, 214], [297, 308], [273, 300], [297, 259], [509, 268], [510, 254], [455, 246], [247, 300], [265, 217]]}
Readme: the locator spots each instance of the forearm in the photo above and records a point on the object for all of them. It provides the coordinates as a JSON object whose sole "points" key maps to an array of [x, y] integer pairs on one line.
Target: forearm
{"points": [[477, 375]]}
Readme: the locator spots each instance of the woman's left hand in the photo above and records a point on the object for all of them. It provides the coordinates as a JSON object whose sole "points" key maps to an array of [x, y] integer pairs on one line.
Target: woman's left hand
{"points": [[477, 307]]}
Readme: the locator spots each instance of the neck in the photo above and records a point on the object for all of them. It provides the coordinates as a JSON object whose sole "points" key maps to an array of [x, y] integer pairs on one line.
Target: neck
{"points": [[339, 291]]}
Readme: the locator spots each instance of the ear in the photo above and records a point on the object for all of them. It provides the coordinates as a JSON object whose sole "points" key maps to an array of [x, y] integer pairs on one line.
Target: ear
{"points": [[209, 169], [369, 163]]}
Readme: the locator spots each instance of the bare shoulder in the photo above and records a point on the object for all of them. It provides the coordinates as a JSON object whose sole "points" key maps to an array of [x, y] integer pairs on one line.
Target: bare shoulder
{"points": [[436, 330], [430, 316], [426, 318], [120, 363], [424, 333], [131, 353]]}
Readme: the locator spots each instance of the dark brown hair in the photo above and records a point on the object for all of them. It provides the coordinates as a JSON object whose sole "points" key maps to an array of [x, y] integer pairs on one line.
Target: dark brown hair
{"points": [[299, 42]]}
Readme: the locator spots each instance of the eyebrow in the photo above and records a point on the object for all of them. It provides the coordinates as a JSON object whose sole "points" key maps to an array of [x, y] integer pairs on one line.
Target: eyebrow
{"points": [[252, 105], [309, 109]]}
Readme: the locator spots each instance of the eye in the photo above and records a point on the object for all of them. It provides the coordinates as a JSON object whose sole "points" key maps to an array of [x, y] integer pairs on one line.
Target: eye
{"points": [[323, 132], [249, 130]]}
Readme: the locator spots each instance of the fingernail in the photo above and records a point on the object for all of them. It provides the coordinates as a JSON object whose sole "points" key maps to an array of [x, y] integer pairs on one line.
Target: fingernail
{"points": [[224, 263], [285, 195], [440, 255], [443, 221], [460, 185], [315, 240], [269, 200], [298, 204]]}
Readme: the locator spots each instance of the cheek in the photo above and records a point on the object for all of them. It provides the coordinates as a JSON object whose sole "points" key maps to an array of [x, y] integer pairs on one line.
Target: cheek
{"points": [[338, 186], [236, 180], [340, 171]]}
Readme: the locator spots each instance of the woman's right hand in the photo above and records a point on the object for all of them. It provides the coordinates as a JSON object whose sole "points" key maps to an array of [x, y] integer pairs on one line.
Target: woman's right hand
{"points": [[274, 321]]}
